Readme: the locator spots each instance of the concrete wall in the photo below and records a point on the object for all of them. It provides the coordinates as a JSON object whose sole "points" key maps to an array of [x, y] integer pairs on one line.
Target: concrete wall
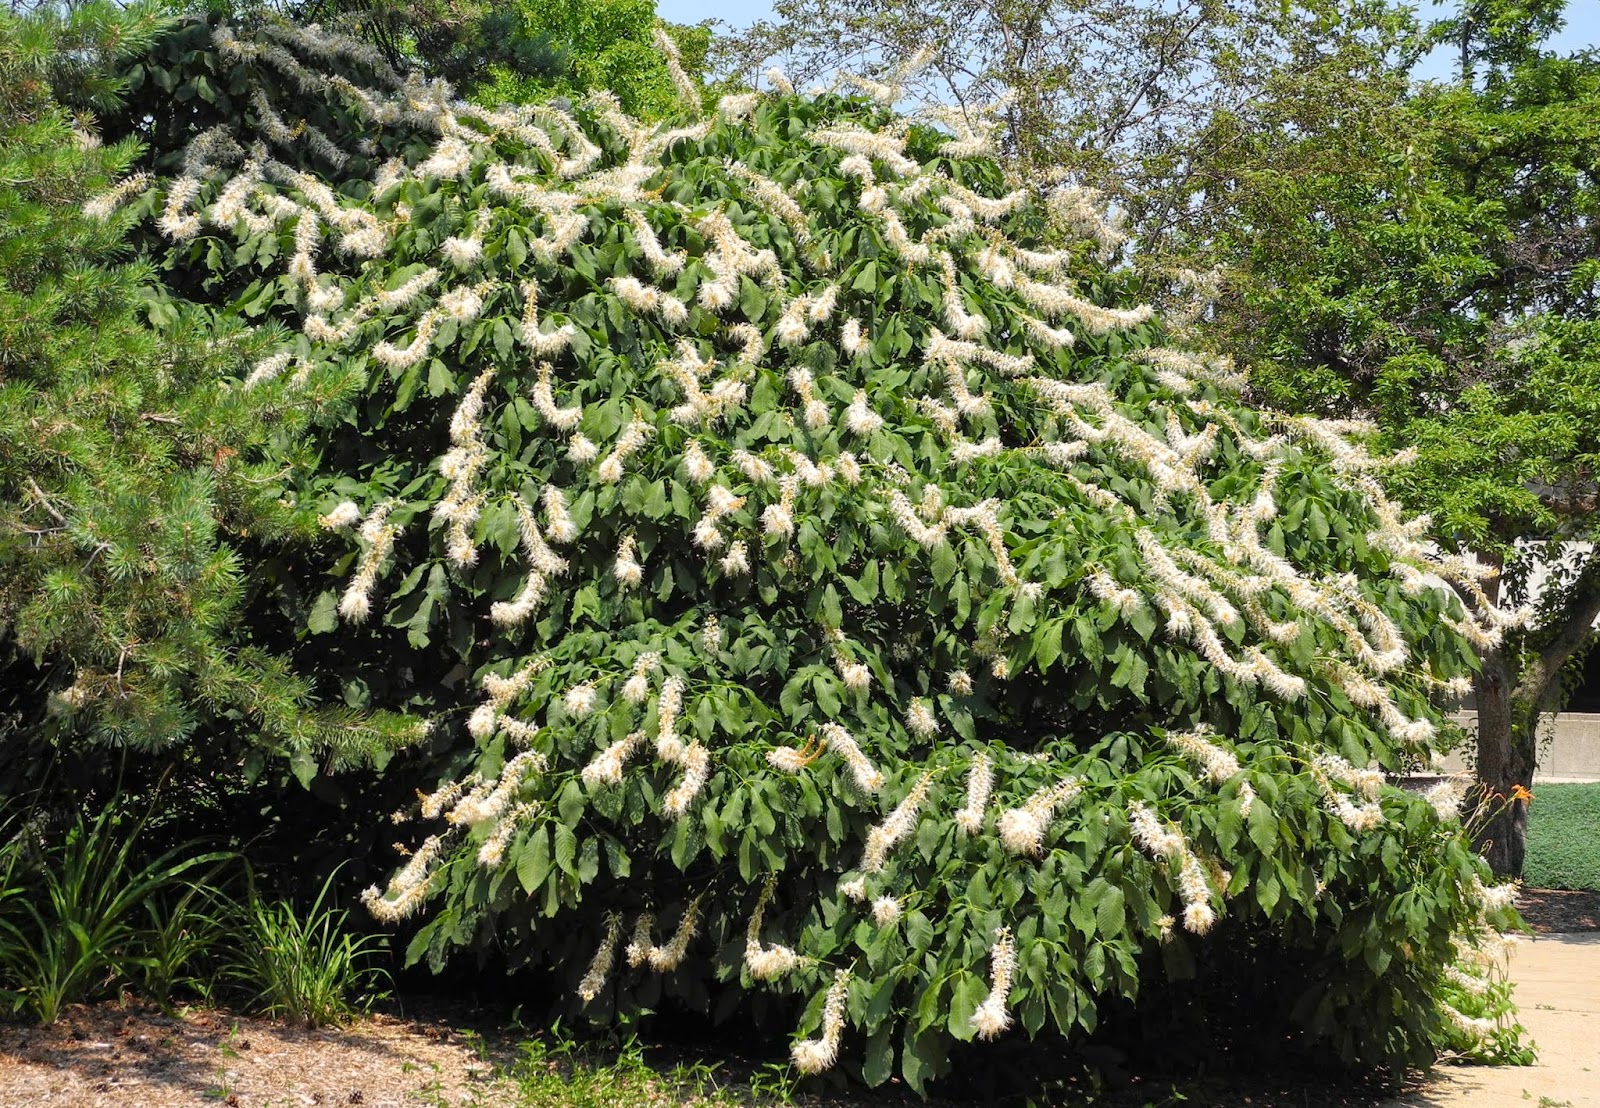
{"points": [[1569, 750]]}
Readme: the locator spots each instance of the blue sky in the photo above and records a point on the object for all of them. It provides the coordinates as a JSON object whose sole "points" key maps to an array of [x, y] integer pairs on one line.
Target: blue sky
{"points": [[1583, 23], [740, 13]]}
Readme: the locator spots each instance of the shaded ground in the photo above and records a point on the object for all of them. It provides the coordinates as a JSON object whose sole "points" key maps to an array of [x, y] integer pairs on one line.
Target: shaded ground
{"points": [[1560, 911]]}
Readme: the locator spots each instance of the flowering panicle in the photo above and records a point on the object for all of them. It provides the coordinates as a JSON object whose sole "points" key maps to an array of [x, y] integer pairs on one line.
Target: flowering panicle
{"points": [[696, 769], [696, 464], [771, 196], [544, 564], [920, 720], [434, 803], [606, 768], [669, 748], [544, 344], [1022, 829], [558, 523], [980, 782], [788, 759], [711, 634], [581, 700], [581, 450], [765, 962], [855, 676], [1247, 799], [882, 147], [778, 518], [408, 888], [867, 777], [463, 251], [633, 436], [899, 824], [661, 261], [885, 911], [489, 799], [1055, 301], [813, 1056], [1168, 845], [665, 959], [460, 466], [1103, 587], [640, 944], [1447, 795], [1153, 836], [493, 850], [627, 569], [604, 958], [1195, 889], [1218, 764], [753, 466], [991, 1018], [344, 514], [379, 535], [503, 690], [102, 207], [1492, 898], [961, 322], [1475, 1028], [736, 562], [905, 514]]}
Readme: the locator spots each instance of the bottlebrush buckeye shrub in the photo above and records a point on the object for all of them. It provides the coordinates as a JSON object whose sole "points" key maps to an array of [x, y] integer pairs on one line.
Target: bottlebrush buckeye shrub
{"points": [[859, 604]]}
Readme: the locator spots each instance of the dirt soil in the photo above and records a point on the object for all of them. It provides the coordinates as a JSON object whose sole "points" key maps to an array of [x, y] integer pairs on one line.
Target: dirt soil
{"points": [[134, 1055], [1560, 911]]}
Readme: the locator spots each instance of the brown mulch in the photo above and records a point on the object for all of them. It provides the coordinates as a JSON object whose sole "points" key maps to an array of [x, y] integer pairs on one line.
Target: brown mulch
{"points": [[134, 1055], [1560, 911]]}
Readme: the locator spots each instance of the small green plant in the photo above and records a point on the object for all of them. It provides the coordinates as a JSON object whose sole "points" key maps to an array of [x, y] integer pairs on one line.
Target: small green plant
{"points": [[185, 934], [83, 914], [560, 1073], [305, 967]]}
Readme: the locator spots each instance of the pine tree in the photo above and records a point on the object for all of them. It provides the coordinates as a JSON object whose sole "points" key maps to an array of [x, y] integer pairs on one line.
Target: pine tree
{"points": [[132, 471]]}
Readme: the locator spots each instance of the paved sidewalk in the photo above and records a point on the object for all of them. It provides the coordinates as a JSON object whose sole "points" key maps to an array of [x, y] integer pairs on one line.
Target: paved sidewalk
{"points": [[1558, 996]]}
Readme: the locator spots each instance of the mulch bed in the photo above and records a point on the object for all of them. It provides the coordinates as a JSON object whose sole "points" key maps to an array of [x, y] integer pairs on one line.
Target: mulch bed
{"points": [[138, 1056], [1560, 911]]}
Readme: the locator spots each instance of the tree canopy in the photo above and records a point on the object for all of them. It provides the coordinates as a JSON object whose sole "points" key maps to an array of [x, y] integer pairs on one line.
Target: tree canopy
{"points": [[528, 50], [816, 568], [1425, 256]]}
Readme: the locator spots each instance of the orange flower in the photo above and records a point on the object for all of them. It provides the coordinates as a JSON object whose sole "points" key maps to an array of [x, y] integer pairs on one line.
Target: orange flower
{"points": [[1520, 793]]}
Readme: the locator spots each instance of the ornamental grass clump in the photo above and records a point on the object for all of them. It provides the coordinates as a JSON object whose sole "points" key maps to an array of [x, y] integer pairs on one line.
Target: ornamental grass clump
{"points": [[856, 598]]}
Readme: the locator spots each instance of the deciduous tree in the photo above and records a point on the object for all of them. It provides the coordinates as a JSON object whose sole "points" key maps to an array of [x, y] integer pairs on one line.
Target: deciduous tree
{"points": [[821, 571]]}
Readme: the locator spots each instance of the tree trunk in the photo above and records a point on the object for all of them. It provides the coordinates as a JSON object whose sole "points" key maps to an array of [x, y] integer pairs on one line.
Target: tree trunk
{"points": [[1507, 750]]}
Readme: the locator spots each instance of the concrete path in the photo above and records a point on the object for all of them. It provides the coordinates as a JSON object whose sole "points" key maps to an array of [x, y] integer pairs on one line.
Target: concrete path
{"points": [[1558, 995]]}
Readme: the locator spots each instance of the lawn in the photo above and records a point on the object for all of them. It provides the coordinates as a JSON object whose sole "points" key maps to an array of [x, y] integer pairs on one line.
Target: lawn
{"points": [[1564, 838]]}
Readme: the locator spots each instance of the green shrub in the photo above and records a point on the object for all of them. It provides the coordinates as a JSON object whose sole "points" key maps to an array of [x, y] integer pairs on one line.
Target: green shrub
{"points": [[1564, 838], [778, 642], [307, 967]]}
